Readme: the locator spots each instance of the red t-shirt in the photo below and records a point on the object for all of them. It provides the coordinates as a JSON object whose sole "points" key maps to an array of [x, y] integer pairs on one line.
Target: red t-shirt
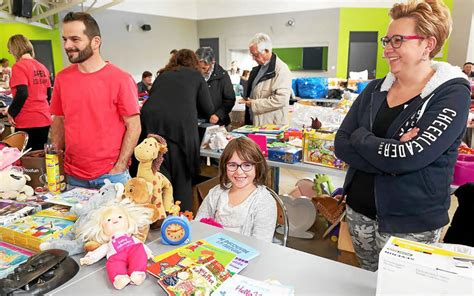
{"points": [[35, 111], [93, 105]]}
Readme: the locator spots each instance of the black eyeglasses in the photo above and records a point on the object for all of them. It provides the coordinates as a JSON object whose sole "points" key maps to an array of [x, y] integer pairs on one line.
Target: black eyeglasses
{"points": [[397, 40], [245, 166]]}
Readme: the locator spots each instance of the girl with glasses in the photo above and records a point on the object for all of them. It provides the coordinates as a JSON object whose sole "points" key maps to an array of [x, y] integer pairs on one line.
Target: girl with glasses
{"points": [[241, 202], [400, 137]]}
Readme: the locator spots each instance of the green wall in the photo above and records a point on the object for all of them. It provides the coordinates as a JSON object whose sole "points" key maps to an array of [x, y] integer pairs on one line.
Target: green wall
{"points": [[34, 33], [370, 20]]}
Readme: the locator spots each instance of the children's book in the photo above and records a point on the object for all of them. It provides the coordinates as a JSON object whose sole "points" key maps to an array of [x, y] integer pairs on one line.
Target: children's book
{"points": [[71, 197], [227, 243], [195, 254], [29, 232], [195, 280], [194, 268], [11, 210], [10, 257], [240, 285]]}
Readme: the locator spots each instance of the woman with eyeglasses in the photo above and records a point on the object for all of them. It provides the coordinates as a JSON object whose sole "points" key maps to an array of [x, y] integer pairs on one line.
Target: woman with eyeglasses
{"points": [[400, 137], [241, 202]]}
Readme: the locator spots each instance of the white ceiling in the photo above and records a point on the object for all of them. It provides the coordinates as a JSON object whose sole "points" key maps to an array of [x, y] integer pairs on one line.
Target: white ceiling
{"points": [[207, 9]]}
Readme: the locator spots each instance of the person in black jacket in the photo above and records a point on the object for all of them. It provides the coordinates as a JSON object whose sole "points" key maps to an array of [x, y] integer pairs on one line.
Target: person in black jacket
{"points": [[220, 86], [400, 137], [172, 112]]}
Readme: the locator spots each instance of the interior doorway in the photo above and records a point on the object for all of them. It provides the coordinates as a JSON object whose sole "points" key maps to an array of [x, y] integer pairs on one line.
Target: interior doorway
{"points": [[363, 48]]}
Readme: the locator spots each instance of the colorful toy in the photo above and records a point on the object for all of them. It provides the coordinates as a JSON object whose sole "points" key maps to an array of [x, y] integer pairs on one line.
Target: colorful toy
{"points": [[175, 208], [175, 230], [150, 155], [322, 184], [71, 242], [113, 225]]}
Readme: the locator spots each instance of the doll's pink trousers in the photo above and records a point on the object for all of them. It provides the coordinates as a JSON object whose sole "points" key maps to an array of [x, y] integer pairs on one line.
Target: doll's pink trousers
{"points": [[127, 261]]}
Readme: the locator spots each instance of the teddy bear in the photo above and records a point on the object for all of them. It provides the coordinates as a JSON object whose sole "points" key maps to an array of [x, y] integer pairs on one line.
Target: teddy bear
{"points": [[13, 185], [70, 242], [150, 155], [139, 191]]}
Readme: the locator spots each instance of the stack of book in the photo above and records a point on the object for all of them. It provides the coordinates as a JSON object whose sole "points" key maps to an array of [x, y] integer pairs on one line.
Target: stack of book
{"points": [[29, 232], [202, 266]]}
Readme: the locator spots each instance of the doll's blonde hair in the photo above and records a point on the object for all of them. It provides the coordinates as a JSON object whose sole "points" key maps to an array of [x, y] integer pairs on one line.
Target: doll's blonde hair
{"points": [[137, 217]]}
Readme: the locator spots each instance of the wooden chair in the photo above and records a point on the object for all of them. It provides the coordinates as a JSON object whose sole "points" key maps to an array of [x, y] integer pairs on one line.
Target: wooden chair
{"points": [[17, 140]]}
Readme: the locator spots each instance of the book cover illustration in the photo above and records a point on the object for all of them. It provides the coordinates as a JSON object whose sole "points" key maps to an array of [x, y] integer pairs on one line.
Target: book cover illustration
{"points": [[196, 279], [29, 232], [12, 210], [194, 254], [241, 285], [195, 269], [71, 197], [227, 243], [10, 257]]}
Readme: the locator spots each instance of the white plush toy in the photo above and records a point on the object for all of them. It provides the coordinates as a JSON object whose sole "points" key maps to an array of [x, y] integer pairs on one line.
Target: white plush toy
{"points": [[13, 185]]}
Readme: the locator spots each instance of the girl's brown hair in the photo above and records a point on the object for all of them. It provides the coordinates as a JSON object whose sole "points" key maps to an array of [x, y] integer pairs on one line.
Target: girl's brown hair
{"points": [[432, 18], [183, 58], [19, 45], [248, 151]]}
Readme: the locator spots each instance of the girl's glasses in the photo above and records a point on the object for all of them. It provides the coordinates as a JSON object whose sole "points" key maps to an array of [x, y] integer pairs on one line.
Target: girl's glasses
{"points": [[245, 166], [397, 40]]}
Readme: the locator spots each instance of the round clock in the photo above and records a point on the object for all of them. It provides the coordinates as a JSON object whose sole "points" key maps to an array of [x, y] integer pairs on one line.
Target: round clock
{"points": [[175, 230]]}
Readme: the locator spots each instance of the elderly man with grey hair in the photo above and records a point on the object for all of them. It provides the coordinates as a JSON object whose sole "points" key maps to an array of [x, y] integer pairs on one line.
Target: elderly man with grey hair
{"points": [[220, 86], [269, 90]]}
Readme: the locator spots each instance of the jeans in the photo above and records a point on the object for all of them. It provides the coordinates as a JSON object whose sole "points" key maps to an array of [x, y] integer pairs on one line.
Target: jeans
{"points": [[99, 182]]}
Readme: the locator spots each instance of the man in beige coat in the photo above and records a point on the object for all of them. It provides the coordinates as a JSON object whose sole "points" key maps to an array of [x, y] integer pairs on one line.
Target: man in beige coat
{"points": [[269, 85]]}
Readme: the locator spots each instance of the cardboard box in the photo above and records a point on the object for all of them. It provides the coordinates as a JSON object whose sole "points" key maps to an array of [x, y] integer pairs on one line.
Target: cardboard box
{"points": [[410, 268], [285, 154], [318, 148], [346, 253]]}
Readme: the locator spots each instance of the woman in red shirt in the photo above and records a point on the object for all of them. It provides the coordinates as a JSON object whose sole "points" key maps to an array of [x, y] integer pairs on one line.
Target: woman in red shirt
{"points": [[31, 88]]}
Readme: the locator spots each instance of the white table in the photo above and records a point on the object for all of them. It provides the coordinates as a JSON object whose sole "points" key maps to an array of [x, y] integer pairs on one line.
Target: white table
{"points": [[308, 274]]}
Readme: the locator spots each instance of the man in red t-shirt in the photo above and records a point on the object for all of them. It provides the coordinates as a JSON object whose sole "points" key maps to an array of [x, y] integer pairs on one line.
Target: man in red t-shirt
{"points": [[95, 108]]}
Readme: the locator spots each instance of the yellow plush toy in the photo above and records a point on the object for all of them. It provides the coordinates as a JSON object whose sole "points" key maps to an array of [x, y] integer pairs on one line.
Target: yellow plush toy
{"points": [[150, 155], [139, 191]]}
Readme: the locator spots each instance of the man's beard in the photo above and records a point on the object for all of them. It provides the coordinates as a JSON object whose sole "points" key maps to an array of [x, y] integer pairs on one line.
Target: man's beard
{"points": [[82, 56]]}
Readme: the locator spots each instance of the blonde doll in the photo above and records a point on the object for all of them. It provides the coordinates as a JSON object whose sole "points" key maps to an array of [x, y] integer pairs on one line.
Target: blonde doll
{"points": [[113, 226]]}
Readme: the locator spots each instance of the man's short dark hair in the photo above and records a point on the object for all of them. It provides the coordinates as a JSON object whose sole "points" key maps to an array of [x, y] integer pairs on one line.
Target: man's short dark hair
{"points": [[468, 63], [92, 28], [146, 74]]}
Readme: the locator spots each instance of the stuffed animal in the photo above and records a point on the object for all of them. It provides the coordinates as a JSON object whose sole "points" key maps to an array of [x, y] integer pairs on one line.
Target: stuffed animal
{"points": [[323, 184], [71, 242], [13, 184], [114, 226], [139, 191], [150, 155]]}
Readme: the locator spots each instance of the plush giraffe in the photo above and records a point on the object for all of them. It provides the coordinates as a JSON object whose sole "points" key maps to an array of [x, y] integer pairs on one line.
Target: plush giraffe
{"points": [[150, 155]]}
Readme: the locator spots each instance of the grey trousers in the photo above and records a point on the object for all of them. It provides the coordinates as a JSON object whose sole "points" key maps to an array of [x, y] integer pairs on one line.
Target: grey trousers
{"points": [[368, 241]]}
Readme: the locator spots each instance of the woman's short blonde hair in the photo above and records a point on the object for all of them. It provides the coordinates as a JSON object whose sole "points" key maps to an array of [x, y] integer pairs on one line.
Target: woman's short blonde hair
{"points": [[432, 18], [20, 45]]}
